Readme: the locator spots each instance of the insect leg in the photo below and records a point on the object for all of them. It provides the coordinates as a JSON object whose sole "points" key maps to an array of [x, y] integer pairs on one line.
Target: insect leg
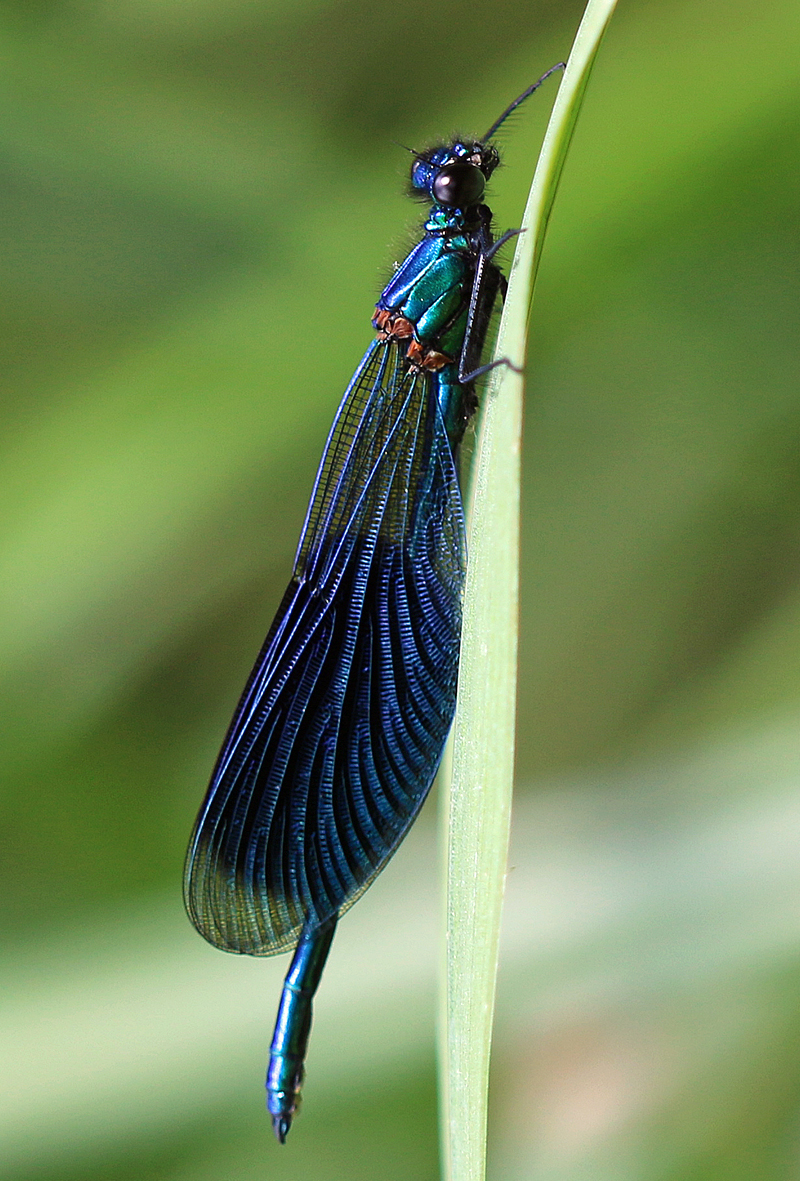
{"points": [[484, 292]]}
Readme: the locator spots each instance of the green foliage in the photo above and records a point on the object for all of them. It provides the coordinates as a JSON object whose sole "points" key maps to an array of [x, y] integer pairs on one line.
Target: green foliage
{"points": [[479, 775]]}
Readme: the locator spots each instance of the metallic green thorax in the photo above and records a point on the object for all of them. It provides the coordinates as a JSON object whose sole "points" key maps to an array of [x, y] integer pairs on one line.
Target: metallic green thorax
{"points": [[431, 292]]}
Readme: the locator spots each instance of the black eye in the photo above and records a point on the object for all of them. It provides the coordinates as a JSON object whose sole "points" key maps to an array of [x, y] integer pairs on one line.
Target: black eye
{"points": [[459, 185]]}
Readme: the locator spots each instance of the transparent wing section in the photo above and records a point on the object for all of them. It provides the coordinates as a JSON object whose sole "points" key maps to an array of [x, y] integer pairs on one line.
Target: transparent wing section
{"points": [[339, 732]]}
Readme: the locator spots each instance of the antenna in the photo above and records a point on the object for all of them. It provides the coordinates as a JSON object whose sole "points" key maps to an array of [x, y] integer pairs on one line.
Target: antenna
{"points": [[525, 94], [412, 151]]}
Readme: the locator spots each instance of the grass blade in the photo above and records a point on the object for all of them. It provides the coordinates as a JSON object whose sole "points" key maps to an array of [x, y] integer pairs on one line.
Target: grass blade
{"points": [[478, 777]]}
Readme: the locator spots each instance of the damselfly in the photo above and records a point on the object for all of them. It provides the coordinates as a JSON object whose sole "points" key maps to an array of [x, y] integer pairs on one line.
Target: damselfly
{"points": [[340, 729]]}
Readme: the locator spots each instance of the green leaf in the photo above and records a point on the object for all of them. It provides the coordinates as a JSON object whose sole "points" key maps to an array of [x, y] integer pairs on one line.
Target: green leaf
{"points": [[477, 798]]}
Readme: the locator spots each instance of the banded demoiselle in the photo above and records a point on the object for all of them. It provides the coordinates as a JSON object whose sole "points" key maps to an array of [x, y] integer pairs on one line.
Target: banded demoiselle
{"points": [[340, 729]]}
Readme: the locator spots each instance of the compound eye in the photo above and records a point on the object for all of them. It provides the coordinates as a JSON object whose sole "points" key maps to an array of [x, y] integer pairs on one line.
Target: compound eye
{"points": [[458, 185], [421, 174]]}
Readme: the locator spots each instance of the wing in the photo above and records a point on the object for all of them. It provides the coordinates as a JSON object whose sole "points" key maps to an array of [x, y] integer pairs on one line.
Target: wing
{"points": [[339, 732]]}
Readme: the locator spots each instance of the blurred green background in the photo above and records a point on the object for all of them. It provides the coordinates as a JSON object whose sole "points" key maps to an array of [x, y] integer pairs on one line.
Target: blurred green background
{"points": [[200, 203]]}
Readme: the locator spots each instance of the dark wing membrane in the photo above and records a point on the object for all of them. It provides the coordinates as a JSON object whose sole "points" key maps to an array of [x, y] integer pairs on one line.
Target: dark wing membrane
{"points": [[339, 732]]}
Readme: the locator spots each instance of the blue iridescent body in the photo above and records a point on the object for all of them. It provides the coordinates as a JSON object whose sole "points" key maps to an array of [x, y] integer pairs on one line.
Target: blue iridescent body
{"points": [[340, 729]]}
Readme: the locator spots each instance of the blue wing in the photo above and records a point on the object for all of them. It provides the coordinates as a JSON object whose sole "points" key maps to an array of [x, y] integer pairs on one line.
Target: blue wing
{"points": [[339, 732]]}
